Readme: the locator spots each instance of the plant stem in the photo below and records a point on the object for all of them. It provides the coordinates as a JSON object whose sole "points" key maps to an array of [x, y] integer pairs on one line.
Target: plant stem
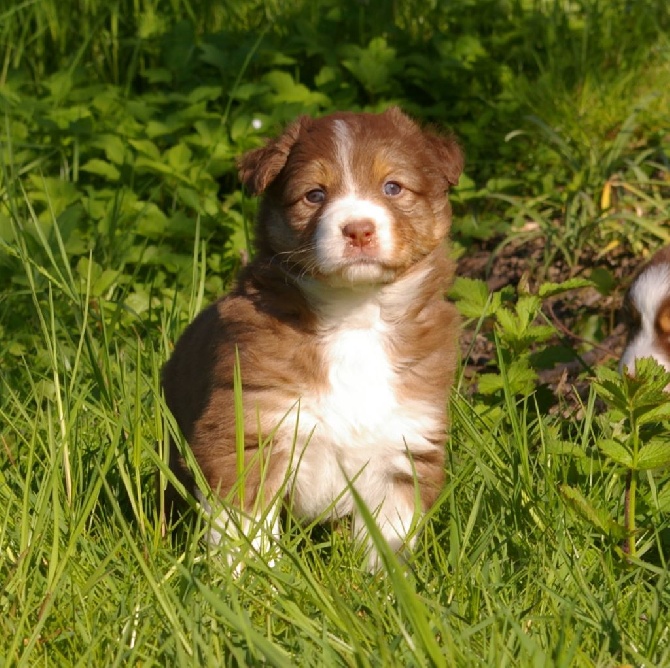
{"points": [[629, 514]]}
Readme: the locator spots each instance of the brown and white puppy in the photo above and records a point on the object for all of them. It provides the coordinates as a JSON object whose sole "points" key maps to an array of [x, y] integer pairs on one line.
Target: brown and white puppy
{"points": [[347, 349], [647, 310]]}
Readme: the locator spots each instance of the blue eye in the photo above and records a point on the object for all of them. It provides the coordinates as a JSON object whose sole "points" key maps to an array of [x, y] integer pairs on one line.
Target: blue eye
{"points": [[392, 189], [316, 196]]}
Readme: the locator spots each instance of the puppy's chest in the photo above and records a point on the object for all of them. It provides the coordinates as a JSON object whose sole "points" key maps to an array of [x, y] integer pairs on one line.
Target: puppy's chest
{"points": [[360, 412], [360, 395]]}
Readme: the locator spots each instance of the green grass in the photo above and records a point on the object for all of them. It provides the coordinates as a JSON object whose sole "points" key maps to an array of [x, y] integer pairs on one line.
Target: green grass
{"points": [[120, 217]]}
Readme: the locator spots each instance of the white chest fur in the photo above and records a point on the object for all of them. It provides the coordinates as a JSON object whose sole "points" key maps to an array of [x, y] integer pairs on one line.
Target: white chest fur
{"points": [[356, 429]]}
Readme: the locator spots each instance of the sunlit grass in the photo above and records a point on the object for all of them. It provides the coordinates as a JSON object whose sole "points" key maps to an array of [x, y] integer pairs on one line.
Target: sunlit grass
{"points": [[504, 572]]}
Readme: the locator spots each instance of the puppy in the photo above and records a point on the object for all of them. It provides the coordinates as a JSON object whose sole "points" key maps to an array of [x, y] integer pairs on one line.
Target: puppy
{"points": [[346, 347], [647, 311]]}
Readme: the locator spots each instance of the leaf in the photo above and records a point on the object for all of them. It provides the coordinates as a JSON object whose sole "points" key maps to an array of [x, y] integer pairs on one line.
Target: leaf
{"points": [[565, 448], [520, 379], [57, 193], [151, 221], [102, 168], [473, 298], [157, 75], [609, 385], [179, 157], [113, 146], [373, 66], [551, 289], [145, 147], [654, 455], [246, 91], [502, 183], [287, 90], [647, 386], [157, 129], [603, 280], [138, 302], [664, 499], [527, 309], [645, 415], [616, 452], [594, 516]]}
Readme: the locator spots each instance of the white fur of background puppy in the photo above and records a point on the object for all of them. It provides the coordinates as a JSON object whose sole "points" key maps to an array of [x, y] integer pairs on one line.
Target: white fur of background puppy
{"points": [[647, 310], [347, 347]]}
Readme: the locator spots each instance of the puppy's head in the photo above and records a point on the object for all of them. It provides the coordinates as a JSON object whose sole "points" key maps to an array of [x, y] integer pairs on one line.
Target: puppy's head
{"points": [[647, 311], [353, 198]]}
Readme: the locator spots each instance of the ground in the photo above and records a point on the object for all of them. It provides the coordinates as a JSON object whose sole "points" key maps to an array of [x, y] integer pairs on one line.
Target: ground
{"points": [[507, 264]]}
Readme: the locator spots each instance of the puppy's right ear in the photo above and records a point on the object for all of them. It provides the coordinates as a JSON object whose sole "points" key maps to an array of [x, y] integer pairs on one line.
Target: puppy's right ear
{"points": [[259, 168]]}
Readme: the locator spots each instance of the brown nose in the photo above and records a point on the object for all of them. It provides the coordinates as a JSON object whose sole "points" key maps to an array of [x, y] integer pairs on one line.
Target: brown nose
{"points": [[360, 233]]}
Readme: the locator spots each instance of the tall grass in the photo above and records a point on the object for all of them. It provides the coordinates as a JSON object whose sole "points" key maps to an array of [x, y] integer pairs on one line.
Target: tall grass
{"points": [[504, 572]]}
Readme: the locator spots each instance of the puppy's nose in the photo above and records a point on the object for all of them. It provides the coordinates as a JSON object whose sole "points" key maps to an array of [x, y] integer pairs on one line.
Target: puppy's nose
{"points": [[359, 233]]}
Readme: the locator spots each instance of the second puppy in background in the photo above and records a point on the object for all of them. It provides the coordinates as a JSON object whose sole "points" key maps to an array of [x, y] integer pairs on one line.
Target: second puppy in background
{"points": [[347, 349], [647, 311]]}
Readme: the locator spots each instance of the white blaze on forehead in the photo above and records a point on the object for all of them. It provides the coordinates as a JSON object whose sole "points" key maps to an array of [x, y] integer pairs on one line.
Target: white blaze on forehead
{"points": [[647, 294], [345, 143]]}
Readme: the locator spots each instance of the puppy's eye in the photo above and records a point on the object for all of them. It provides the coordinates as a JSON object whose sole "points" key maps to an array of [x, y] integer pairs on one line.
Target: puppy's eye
{"points": [[316, 196], [663, 318], [392, 189]]}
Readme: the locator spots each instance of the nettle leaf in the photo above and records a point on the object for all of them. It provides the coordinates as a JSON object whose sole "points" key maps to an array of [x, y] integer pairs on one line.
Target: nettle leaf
{"points": [[246, 91], [654, 455], [565, 448], [327, 75], [615, 451], [527, 309], [157, 75], [137, 302], [101, 168], [113, 146], [157, 129], [654, 414], [287, 90], [213, 56], [509, 322], [373, 66], [519, 377], [664, 499], [551, 289], [205, 94], [179, 157], [465, 190], [151, 221], [594, 516], [57, 193], [71, 118], [603, 280], [609, 386], [473, 298], [101, 280], [647, 386], [145, 147], [516, 328]]}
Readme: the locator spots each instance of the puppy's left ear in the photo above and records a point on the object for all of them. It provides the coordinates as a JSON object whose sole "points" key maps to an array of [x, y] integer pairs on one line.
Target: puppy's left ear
{"points": [[449, 155], [257, 169]]}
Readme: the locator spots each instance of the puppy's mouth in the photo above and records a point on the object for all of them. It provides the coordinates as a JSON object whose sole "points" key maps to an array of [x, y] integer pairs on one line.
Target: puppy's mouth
{"points": [[359, 270]]}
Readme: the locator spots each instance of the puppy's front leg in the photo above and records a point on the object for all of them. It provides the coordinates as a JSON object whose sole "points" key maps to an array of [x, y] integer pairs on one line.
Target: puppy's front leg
{"points": [[245, 533], [395, 518]]}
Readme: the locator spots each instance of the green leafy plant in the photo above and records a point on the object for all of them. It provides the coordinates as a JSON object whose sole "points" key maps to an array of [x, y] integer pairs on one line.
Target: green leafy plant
{"points": [[636, 439], [518, 326]]}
